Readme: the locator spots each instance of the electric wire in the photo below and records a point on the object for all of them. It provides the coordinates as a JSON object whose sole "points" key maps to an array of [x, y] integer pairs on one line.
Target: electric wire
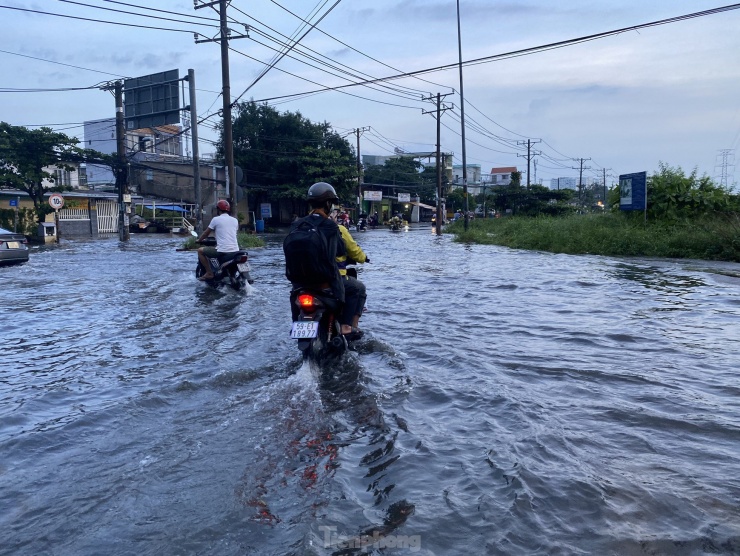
{"points": [[98, 20], [270, 66]]}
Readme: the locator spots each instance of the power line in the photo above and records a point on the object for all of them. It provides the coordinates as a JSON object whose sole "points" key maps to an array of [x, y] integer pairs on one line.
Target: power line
{"points": [[97, 20], [133, 13], [295, 43]]}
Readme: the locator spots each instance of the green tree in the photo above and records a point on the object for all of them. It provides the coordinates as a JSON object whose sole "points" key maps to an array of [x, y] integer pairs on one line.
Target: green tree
{"points": [[408, 175], [672, 195], [25, 155], [282, 154]]}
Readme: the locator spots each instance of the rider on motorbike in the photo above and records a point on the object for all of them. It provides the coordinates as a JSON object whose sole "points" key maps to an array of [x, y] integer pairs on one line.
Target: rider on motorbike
{"points": [[225, 228], [321, 197], [355, 293]]}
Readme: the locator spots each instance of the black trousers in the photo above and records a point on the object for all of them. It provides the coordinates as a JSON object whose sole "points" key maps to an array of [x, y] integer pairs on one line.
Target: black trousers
{"points": [[355, 296]]}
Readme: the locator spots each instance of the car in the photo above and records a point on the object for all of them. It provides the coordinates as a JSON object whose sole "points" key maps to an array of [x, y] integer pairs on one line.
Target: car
{"points": [[13, 247]]}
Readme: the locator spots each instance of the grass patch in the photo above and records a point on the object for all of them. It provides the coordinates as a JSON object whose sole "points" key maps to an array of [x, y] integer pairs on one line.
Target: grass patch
{"points": [[246, 241], [710, 238]]}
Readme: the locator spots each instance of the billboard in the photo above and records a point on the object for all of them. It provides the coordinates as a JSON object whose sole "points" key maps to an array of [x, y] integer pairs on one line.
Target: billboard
{"points": [[404, 197], [633, 191], [152, 100], [373, 195]]}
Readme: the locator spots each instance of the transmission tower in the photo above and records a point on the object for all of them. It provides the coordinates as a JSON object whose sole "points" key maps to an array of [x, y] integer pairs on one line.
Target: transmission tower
{"points": [[724, 169]]}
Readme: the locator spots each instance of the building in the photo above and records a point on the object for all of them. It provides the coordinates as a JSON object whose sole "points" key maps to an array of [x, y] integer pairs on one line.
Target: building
{"points": [[100, 135], [502, 175], [74, 178], [570, 183], [473, 174], [427, 159]]}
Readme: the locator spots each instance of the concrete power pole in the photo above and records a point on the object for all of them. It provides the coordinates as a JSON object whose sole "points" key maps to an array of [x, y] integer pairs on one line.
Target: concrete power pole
{"points": [[224, 36], [196, 157], [580, 177], [605, 199], [121, 171], [358, 131], [438, 111], [530, 154]]}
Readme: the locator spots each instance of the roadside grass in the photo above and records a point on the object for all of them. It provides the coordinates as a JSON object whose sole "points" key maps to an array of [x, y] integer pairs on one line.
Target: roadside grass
{"points": [[246, 241], [710, 238]]}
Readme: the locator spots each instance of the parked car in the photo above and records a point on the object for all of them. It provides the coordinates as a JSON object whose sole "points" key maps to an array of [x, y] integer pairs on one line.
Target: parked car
{"points": [[13, 247]]}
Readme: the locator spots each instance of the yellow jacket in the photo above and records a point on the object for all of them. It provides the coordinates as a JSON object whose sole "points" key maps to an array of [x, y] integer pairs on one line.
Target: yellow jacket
{"points": [[353, 251]]}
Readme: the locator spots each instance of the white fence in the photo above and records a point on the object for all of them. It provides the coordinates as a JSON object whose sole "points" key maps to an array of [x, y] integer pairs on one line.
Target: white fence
{"points": [[107, 217], [74, 214]]}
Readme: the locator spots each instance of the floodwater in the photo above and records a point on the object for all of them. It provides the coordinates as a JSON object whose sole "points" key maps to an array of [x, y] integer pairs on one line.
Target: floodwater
{"points": [[501, 402]]}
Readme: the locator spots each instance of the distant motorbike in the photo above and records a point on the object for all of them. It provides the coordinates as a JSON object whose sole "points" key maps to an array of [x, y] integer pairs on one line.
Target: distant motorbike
{"points": [[362, 224], [396, 224], [233, 268]]}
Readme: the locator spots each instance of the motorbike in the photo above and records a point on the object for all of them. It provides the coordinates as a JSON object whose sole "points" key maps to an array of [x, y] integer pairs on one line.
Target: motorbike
{"points": [[362, 224], [316, 323], [395, 224], [232, 271]]}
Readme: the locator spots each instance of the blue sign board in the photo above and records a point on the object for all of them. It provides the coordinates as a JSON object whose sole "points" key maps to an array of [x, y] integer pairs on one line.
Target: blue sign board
{"points": [[13, 202], [633, 191]]}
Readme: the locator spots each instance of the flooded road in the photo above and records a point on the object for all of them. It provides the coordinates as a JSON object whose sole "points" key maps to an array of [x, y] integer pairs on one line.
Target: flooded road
{"points": [[501, 402]]}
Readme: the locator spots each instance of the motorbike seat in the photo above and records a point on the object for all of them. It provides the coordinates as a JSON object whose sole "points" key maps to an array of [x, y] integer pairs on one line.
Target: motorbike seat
{"points": [[226, 257]]}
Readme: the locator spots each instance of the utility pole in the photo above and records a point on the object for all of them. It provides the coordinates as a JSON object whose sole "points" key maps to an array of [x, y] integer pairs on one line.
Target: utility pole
{"points": [[462, 122], [580, 177], [438, 111], [604, 173], [121, 173], [223, 38], [196, 157], [358, 131], [529, 154]]}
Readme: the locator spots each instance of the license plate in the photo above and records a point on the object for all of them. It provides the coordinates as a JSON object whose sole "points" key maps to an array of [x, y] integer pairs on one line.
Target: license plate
{"points": [[14, 245], [243, 267], [304, 329]]}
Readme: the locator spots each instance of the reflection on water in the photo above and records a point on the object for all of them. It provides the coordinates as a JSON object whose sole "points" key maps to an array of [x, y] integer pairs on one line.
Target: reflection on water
{"points": [[501, 402]]}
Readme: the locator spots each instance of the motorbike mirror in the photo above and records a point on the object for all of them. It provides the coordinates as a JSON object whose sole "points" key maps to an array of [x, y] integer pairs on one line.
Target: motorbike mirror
{"points": [[193, 233]]}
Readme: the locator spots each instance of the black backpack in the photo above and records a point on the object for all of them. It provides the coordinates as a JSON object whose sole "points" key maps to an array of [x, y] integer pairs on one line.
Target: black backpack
{"points": [[307, 259]]}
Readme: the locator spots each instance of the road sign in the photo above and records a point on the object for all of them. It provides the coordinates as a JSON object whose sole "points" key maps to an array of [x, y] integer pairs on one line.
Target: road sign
{"points": [[633, 191], [14, 202], [152, 100], [56, 201]]}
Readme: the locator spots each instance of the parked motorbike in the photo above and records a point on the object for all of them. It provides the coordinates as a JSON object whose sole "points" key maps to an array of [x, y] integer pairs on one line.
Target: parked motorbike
{"points": [[232, 271]]}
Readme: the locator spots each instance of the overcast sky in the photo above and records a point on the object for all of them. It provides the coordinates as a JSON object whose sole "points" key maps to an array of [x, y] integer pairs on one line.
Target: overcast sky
{"points": [[667, 93]]}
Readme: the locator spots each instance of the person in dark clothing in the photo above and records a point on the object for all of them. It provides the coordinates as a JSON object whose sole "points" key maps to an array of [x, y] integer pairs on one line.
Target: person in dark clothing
{"points": [[321, 197]]}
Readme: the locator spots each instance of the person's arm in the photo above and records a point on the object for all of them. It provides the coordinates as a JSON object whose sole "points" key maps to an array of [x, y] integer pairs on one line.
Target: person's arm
{"points": [[205, 233], [354, 251]]}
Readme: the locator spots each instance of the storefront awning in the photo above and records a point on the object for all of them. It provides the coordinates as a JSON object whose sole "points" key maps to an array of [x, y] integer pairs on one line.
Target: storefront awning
{"points": [[422, 205]]}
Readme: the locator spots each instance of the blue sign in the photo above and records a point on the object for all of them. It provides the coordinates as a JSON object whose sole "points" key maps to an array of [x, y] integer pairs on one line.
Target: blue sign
{"points": [[13, 202], [633, 191]]}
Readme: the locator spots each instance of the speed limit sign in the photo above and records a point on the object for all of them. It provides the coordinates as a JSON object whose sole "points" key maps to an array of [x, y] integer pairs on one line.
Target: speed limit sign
{"points": [[56, 201]]}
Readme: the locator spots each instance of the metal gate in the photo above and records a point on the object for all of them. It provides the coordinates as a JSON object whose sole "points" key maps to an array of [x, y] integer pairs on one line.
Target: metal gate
{"points": [[107, 217]]}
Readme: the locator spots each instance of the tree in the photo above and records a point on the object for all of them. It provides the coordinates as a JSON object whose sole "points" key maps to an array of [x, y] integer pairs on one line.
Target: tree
{"points": [[672, 195], [25, 153], [407, 174], [283, 154]]}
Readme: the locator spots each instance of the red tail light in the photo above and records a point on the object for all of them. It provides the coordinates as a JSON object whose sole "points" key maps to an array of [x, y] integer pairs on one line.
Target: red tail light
{"points": [[243, 259], [305, 301]]}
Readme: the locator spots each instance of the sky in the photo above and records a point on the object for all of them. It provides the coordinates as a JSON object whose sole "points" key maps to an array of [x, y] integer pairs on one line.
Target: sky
{"points": [[618, 104]]}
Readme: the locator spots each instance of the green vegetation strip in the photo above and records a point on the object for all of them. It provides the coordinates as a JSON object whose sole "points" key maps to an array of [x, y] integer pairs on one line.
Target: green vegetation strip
{"points": [[614, 234], [246, 241]]}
